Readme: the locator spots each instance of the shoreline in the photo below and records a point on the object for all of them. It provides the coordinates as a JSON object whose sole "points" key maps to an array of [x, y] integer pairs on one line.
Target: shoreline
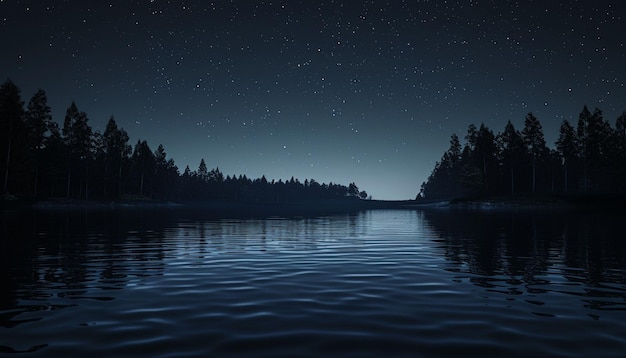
{"points": [[543, 202], [330, 206], [307, 207]]}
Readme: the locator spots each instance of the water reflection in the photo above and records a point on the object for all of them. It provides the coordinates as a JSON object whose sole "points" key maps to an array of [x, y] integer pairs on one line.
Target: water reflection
{"points": [[78, 253], [532, 253], [74, 252], [438, 281]]}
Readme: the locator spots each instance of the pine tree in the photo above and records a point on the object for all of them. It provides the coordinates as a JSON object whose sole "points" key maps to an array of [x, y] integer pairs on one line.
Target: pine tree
{"points": [[511, 151], [203, 172], [117, 153], [567, 147], [451, 164], [583, 142], [620, 152], [11, 112], [165, 175], [485, 155], [593, 134], [143, 164], [600, 145], [39, 121], [78, 139], [532, 134]]}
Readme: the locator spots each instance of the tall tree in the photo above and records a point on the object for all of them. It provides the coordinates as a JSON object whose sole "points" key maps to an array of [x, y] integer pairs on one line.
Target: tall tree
{"points": [[455, 151], [143, 164], [601, 147], [39, 120], [117, 151], [512, 151], [203, 172], [583, 141], [620, 131], [483, 153], [445, 179], [11, 111], [620, 152], [165, 175], [472, 136], [567, 147], [78, 138], [594, 133], [97, 164], [532, 134], [452, 161]]}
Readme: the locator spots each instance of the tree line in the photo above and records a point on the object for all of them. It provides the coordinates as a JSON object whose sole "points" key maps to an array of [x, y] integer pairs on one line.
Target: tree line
{"points": [[40, 159], [588, 157]]}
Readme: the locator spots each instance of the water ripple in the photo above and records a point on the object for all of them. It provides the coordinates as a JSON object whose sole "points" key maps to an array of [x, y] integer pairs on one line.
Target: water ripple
{"points": [[377, 283]]}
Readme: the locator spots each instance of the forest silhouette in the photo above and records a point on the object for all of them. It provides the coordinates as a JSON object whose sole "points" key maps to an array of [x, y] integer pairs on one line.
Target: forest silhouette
{"points": [[41, 160], [589, 160]]}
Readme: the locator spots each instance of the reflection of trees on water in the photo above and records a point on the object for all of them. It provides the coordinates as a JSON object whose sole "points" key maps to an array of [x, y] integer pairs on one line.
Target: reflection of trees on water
{"points": [[524, 250], [51, 255], [266, 234]]}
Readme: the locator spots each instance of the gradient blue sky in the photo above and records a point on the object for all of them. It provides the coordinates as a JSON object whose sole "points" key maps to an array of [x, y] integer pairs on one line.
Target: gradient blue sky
{"points": [[341, 91]]}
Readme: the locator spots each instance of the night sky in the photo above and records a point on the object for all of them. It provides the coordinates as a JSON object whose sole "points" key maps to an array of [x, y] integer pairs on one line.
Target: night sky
{"points": [[338, 91]]}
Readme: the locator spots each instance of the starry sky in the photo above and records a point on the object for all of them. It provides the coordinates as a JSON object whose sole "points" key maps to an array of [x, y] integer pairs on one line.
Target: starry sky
{"points": [[338, 91]]}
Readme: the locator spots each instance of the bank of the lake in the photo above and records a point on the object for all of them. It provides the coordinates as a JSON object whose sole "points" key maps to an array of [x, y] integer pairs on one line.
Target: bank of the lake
{"points": [[534, 202], [330, 206], [233, 208]]}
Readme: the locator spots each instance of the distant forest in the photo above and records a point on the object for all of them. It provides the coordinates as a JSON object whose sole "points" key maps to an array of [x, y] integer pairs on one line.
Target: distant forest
{"points": [[589, 158], [40, 160]]}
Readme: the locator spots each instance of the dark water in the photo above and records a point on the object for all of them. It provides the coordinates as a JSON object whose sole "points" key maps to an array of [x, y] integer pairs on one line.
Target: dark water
{"points": [[165, 283]]}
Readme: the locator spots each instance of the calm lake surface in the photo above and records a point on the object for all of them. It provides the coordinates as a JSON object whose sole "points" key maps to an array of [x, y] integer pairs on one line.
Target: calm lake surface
{"points": [[439, 282]]}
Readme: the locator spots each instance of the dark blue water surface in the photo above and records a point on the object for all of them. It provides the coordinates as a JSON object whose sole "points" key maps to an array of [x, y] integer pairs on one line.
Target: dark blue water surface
{"points": [[176, 283]]}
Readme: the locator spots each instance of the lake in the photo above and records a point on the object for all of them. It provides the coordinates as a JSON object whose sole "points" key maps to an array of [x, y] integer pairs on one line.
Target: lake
{"points": [[438, 282]]}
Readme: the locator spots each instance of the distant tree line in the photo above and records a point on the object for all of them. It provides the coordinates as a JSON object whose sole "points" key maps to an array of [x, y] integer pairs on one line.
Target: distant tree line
{"points": [[39, 159], [588, 157]]}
